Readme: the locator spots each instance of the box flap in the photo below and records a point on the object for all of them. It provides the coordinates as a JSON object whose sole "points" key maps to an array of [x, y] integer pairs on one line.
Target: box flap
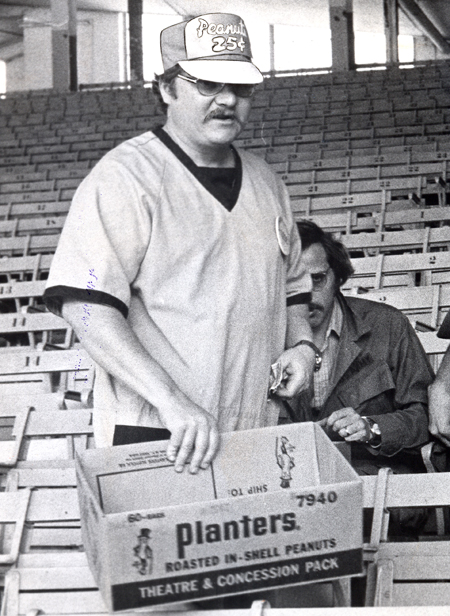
{"points": [[333, 466], [248, 462]]}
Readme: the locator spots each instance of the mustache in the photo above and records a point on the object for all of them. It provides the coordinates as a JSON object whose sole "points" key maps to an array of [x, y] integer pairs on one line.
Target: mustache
{"points": [[314, 306], [222, 114]]}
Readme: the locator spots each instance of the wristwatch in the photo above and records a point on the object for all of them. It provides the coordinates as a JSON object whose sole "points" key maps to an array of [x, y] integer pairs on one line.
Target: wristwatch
{"points": [[374, 439], [317, 353]]}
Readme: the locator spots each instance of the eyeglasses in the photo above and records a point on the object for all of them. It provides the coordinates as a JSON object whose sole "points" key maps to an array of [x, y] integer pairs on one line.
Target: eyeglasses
{"points": [[212, 88], [319, 280]]}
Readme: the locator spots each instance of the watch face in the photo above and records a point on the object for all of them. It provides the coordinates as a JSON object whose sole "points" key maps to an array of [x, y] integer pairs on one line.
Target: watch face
{"points": [[374, 439]]}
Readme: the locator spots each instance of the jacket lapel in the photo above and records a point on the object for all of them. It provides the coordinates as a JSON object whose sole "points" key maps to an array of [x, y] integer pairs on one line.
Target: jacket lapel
{"points": [[353, 328]]}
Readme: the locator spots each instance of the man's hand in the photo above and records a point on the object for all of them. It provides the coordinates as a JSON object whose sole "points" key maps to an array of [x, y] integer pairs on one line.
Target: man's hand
{"points": [[439, 410], [192, 430], [297, 365], [348, 424]]}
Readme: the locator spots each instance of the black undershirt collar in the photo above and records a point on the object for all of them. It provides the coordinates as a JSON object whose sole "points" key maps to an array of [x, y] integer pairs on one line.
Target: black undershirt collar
{"points": [[222, 182]]}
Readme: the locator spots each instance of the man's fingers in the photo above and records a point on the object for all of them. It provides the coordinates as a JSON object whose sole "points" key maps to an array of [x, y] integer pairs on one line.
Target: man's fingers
{"points": [[283, 392], [283, 389], [343, 432], [351, 430], [201, 446], [332, 419], [360, 435], [342, 418], [185, 449], [341, 414], [293, 385], [214, 438], [340, 424], [176, 438], [194, 440], [345, 422]]}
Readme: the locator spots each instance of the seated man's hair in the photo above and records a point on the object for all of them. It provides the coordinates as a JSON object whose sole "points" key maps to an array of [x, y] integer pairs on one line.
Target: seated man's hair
{"points": [[168, 79], [337, 255]]}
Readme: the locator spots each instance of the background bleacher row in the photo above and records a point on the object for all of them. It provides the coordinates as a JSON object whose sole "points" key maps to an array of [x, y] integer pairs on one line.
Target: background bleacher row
{"points": [[365, 155]]}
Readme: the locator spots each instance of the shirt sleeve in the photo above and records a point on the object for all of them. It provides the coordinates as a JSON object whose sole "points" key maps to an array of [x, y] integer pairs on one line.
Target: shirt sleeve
{"points": [[298, 284], [103, 242]]}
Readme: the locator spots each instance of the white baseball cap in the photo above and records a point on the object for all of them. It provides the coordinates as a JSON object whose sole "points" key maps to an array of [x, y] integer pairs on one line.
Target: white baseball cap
{"points": [[214, 47]]}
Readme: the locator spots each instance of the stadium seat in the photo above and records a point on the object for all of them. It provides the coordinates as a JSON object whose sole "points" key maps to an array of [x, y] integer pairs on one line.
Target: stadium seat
{"points": [[406, 573]]}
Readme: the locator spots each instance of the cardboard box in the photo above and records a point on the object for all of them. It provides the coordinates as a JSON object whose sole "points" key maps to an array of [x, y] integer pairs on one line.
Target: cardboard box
{"points": [[279, 506]]}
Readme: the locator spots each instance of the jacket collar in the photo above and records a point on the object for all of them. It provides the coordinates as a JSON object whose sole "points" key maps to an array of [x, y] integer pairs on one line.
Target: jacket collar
{"points": [[353, 329]]}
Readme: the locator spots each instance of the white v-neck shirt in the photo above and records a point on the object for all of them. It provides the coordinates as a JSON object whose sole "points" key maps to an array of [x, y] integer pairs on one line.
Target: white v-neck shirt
{"points": [[143, 234]]}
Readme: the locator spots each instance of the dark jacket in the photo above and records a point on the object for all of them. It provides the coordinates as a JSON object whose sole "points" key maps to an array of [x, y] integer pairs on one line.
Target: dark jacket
{"points": [[382, 372]]}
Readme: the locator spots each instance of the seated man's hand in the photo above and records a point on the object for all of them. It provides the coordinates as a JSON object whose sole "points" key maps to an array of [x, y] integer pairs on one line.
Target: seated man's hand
{"points": [[297, 365], [193, 431], [348, 424], [439, 411]]}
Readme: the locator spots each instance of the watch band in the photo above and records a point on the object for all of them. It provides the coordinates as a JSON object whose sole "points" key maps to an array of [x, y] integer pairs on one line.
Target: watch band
{"points": [[317, 352], [374, 440]]}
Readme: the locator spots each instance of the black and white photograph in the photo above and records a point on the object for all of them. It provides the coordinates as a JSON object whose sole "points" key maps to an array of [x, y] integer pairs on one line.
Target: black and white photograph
{"points": [[224, 307]]}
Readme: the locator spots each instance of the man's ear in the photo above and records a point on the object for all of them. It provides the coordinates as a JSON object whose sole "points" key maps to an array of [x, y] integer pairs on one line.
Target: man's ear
{"points": [[167, 92]]}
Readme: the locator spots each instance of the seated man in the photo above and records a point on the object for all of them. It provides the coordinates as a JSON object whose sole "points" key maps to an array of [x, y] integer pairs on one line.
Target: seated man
{"points": [[371, 374]]}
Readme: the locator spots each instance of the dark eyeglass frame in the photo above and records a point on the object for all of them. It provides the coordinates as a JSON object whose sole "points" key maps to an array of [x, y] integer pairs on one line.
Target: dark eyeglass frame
{"points": [[319, 283], [212, 88]]}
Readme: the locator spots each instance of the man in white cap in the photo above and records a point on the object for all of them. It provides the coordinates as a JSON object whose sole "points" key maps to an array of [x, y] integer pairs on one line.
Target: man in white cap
{"points": [[179, 264]]}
